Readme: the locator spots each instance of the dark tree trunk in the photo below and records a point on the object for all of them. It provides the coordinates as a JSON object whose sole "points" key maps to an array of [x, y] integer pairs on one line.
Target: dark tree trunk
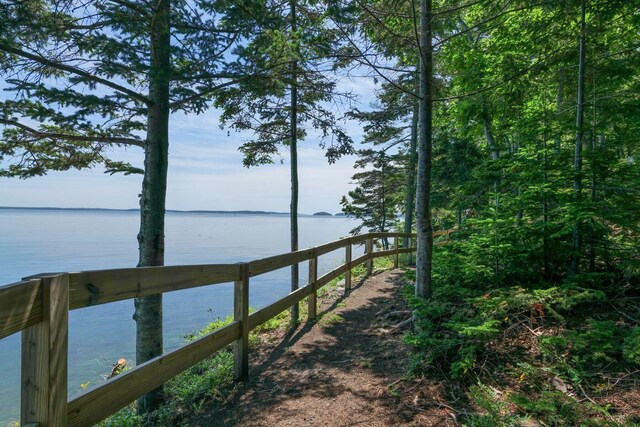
{"points": [[577, 168], [425, 140], [293, 210], [560, 105], [148, 310], [410, 196], [545, 203]]}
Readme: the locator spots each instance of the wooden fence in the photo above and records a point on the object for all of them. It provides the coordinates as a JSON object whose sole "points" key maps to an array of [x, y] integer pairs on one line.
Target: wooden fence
{"points": [[39, 307]]}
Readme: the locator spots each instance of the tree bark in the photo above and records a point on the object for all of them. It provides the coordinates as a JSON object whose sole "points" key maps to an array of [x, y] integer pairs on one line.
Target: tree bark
{"points": [[293, 210], [486, 122], [410, 196], [577, 167], [545, 202], [425, 141], [148, 310], [562, 73]]}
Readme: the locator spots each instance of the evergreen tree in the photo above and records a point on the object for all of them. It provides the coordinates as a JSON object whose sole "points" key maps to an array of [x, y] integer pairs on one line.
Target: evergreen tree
{"points": [[293, 50], [87, 77]]}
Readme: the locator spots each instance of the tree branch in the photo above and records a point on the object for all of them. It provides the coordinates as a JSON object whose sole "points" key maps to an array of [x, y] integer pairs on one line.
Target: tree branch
{"points": [[70, 137], [73, 70]]}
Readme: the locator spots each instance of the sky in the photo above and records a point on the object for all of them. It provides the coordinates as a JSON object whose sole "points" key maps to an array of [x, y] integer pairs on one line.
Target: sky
{"points": [[205, 173]]}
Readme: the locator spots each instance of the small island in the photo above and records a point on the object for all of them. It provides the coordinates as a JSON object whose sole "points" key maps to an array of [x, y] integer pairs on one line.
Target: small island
{"points": [[322, 214]]}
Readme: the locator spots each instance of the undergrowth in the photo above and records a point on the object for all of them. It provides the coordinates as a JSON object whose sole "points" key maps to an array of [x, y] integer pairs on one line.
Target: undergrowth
{"points": [[547, 354]]}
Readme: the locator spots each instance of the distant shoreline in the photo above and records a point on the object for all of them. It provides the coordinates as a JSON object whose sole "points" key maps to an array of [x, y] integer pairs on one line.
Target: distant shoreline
{"points": [[199, 211]]}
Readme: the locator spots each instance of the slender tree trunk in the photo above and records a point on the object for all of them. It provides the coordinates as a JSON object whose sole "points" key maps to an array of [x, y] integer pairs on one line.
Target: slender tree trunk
{"points": [[491, 142], [425, 141], [577, 168], [410, 196], [562, 73], [383, 201], [545, 203], [148, 310], [594, 179], [295, 272]]}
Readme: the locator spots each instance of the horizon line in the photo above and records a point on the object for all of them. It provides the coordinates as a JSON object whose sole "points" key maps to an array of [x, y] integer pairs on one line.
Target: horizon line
{"points": [[239, 211]]}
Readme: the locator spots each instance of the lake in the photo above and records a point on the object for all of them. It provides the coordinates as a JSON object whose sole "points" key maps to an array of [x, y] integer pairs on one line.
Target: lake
{"points": [[36, 241]]}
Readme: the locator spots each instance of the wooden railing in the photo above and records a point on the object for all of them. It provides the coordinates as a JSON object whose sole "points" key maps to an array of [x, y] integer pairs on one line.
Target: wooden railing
{"points": [[39, 307]]}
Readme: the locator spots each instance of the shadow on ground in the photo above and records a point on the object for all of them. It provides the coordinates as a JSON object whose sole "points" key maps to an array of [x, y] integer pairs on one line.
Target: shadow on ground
{"points": [[337, 371]]}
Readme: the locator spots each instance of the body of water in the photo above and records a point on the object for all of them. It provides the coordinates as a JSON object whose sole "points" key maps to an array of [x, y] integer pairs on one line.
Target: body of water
{"points": [[35, 241]]}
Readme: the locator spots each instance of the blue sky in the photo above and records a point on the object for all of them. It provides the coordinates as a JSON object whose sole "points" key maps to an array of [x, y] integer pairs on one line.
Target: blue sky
{"points": [[205, 172]]}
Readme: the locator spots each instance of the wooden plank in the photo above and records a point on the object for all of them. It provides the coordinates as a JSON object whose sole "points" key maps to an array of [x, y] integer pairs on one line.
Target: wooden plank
{"points": [[331, 275], [369, 252], [241, 314], [379, 235], [266, 313], [443, 232], [34, 399], [355, 240], [356, 262], [406, 250], [347, 273], [388, 252], [407, 235], [396, 243], [279, 261], [95, 405], [44, 358], [89, 288], [20, 306], [332, 246], [313, 296]]}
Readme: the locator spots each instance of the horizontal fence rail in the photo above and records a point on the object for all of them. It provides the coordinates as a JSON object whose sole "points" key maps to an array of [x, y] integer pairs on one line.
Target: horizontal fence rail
{"points": [[39, 306]]}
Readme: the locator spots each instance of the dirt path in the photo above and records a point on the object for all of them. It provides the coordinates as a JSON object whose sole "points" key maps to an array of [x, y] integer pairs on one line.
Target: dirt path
{"points": [[335, 372]]}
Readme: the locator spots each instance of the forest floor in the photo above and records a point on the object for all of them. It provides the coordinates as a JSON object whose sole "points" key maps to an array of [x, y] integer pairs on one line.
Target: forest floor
{"points": [[345, 369]]}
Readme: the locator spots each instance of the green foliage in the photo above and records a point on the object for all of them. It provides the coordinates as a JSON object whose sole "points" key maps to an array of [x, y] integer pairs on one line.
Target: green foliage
{"points": [[495, 410], [631, 346], [79, 77]]}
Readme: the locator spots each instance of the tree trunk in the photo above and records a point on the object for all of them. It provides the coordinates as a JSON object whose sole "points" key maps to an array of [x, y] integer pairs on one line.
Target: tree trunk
{"points": [[148, 310], [425, 140], [383, 200], [491, 142], [577, 168], [560, 105], [545, 203], [410, 196], [293, 210]]}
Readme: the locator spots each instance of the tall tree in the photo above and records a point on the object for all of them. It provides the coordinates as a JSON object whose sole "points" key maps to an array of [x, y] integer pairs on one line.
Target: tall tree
{"points": [[294, 52], [424, 255], [91, 76], [577, 165]]}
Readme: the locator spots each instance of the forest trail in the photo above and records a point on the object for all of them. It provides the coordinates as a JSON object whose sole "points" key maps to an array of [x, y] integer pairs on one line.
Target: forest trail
{"points": [[338, 371]]}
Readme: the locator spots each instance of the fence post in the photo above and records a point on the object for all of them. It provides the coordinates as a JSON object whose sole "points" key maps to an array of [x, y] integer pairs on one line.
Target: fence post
{"points": [[396, 241], [410, 253], [241, 314], [44, 357], [313, 276], [347, 274], [370, 258]]}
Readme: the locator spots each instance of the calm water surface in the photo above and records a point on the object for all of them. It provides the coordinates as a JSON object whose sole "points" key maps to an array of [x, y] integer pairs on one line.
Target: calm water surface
{"points": [[35, 241]]}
